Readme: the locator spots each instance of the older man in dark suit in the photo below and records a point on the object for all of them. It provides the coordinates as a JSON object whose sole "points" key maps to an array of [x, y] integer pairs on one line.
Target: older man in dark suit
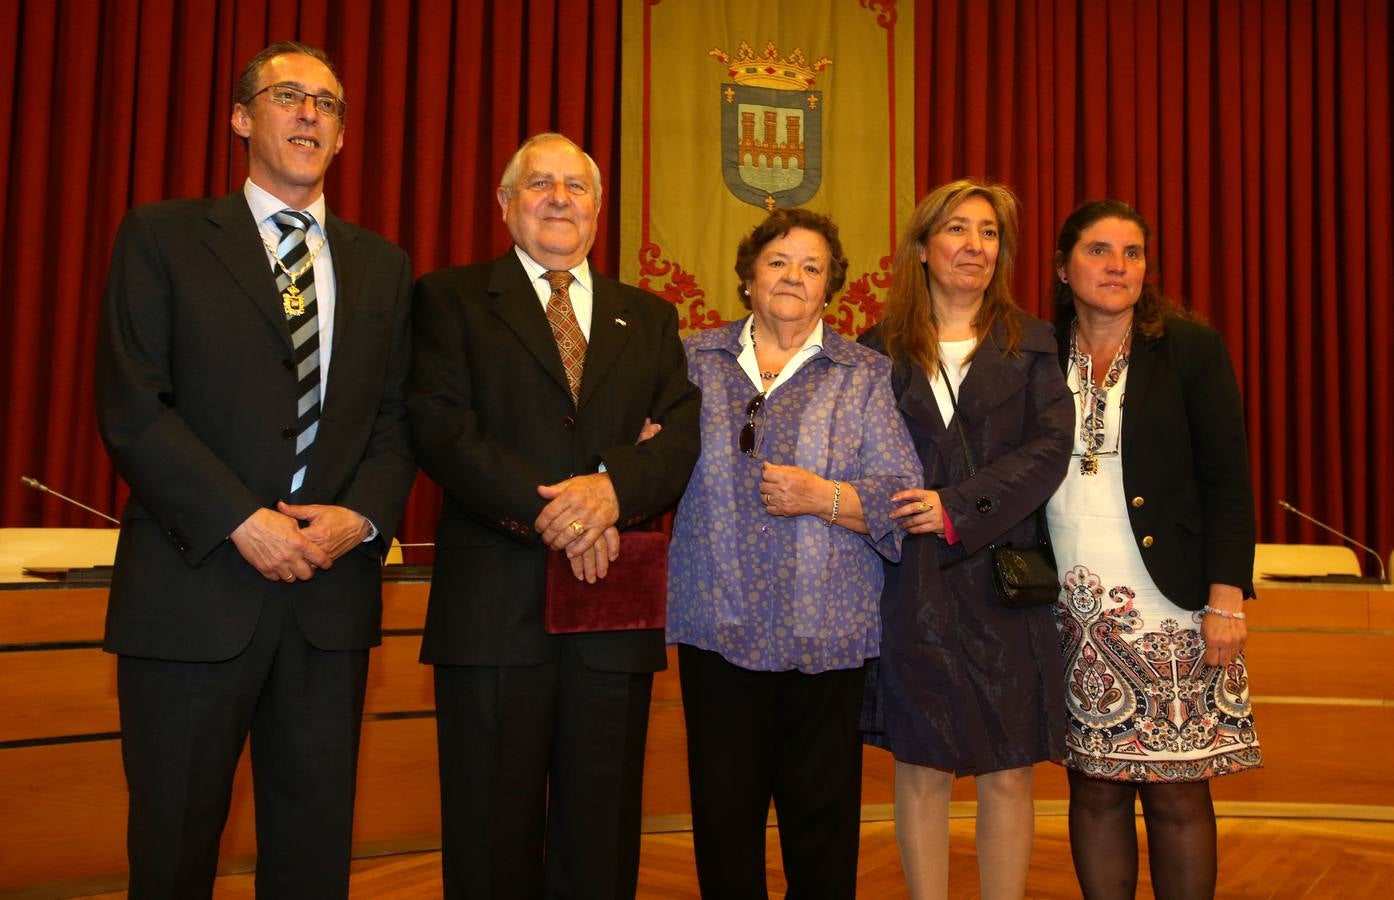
{"points": [[247, 588], [532, 378]]}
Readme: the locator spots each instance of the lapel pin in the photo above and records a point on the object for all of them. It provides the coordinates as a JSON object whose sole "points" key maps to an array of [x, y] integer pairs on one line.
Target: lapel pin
{"points": [[621, 322]]}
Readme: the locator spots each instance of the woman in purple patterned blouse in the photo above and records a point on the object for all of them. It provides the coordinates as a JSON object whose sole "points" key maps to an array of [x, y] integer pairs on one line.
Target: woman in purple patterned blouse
{"points": [[775, 567]]}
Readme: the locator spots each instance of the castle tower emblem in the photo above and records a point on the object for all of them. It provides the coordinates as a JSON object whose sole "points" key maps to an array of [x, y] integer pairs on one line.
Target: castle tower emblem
{"points": [[771, 125]]}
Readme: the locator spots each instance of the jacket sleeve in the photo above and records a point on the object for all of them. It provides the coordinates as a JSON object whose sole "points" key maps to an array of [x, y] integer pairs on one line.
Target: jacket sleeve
{"points": [[494, 481], [1216, 417], [385, 472], [192, 494], [649, 477]]}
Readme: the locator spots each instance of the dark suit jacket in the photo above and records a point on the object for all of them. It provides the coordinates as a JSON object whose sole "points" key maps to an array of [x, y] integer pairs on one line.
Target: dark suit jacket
{"points": [[1186, 463], [493, 419], [196, 394]]}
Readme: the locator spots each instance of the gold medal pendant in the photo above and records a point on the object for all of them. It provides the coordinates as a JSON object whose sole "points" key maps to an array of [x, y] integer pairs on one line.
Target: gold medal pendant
{"points": [[1089, 464], [293, 301]]}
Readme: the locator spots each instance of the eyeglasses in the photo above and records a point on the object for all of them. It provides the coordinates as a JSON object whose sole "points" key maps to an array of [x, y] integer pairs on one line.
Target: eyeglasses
{"points": [[747, 442], [293, 97]]}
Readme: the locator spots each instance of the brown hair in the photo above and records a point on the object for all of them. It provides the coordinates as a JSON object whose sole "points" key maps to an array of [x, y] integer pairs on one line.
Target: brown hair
{"points": [[246, 87], [779, 223], [1153, 307], [908, 329]]}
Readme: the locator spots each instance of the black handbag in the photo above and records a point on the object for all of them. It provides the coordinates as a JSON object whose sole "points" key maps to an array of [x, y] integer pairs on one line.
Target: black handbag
{"points": [[1022, 576]]}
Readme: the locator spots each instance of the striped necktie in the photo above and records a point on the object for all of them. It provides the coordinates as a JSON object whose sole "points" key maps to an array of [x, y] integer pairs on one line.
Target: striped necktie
{"points": [[304, 336]]}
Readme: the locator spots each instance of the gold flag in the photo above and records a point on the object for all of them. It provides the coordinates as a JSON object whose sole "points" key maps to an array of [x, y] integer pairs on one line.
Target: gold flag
{"points": [[732, 108]]}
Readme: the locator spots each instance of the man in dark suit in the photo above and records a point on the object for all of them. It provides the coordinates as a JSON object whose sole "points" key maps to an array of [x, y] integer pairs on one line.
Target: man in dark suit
{"points": [[264, 494], [532, 378]]}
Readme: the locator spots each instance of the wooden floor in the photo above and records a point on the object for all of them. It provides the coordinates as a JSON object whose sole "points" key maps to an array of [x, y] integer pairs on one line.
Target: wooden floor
{"points": [[1278, 858]]}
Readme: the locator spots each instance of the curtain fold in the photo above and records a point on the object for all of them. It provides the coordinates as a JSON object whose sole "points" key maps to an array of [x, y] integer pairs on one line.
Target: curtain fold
{"points": [[119, 102], [1253, 134]]}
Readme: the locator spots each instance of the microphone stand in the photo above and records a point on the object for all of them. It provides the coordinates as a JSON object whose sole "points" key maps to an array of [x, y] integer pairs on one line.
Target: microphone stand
{"points": [[1345, 537]]}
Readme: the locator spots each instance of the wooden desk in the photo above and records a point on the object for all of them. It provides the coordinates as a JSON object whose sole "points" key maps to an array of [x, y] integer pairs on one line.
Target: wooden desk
{"points": [[1320, 662]]}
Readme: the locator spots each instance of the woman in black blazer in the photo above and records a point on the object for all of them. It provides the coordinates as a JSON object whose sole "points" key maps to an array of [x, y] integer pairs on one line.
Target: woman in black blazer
{"points": [[1153, 529]]}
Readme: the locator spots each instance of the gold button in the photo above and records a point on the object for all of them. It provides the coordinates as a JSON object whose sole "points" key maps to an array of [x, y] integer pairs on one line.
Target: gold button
{"points": [[1147, 541], [1138, 501]]}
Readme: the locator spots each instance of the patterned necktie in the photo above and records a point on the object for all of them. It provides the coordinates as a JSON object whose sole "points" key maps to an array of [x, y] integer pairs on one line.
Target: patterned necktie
{"points": [[304, 335], [570, 341]]}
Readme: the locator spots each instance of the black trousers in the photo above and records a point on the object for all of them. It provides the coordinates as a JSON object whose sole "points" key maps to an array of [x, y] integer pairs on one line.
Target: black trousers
{"points": [[786, 736], [183, 727], [541, 774]]}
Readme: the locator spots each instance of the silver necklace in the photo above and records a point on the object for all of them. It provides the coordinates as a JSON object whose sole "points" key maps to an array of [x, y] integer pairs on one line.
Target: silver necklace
{"points": [[767, 376]]}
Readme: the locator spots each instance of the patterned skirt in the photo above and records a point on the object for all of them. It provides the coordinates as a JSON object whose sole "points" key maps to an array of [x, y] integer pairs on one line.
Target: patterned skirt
{"points": [[1143, 706]]}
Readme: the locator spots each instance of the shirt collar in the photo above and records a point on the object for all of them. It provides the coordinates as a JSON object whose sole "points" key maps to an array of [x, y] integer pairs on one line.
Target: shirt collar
{"points": [[581, 272], [264, 205], [812, 343]]}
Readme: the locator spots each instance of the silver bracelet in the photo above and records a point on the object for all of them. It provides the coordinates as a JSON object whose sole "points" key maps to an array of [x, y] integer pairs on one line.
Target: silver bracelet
{"points": [[837, 502], [1212, 611]]}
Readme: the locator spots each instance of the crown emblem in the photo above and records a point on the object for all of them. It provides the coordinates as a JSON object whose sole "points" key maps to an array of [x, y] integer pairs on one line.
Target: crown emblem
{"points": [[767, 69]]}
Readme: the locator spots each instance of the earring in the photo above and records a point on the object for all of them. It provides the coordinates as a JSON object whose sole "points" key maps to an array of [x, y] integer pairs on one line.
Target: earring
{"points": [[745, 291]]}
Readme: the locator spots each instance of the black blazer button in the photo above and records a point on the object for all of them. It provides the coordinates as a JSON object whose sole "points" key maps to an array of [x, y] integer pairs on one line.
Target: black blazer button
{"points": [[1147, 540], [569, 423], [1137, 502], [288, 365], [287, 433], [984, 505]]}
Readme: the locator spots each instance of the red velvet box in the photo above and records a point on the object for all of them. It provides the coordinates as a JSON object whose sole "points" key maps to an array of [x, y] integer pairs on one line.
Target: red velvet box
{"points": [[633, 595]]}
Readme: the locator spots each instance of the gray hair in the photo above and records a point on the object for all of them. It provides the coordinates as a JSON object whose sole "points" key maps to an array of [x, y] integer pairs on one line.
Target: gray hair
{"points": [[509, 182]]}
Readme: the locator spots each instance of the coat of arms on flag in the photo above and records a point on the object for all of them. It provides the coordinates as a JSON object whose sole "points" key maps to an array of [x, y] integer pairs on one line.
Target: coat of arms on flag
{"points": [[731, 109], [771, 126]]}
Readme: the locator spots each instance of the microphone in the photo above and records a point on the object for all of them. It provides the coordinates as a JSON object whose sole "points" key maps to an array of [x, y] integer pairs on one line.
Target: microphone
{"points": [[1345, 537], [42, 488]]}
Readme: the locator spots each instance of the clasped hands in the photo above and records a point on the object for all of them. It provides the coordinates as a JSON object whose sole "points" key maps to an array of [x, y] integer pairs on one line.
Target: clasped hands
{"points": [[580, 518], [276, 545]]}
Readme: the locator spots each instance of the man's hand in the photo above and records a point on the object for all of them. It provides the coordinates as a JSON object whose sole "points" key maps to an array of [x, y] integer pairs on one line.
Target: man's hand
{"points": [[650, 429], [334, 529], [594, 564], [277, 548], [579, 511], [1224, 638]]}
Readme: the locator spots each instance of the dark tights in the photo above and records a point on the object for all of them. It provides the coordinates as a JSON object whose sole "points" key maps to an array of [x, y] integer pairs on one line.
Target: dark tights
{"points": [[1180, 838]]}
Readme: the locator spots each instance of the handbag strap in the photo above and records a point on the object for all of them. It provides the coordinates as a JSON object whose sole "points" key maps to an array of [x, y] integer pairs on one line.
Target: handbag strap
{"points": [[1042, 530], [958, 420]]}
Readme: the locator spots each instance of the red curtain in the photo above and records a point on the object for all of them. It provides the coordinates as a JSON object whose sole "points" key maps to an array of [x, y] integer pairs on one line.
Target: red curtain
{"points": [[127, 101], [1253, 134]]}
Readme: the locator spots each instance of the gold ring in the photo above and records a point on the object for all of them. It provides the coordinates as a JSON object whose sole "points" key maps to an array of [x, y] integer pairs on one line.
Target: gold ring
{"points": [[924, 506], [578, 529]]}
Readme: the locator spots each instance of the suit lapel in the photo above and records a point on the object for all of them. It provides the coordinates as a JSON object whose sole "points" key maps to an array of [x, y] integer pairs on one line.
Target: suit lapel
{"points": [[516, 303], [348, 292], [1142, 367], [608, 335], [990, 381], [235, 241]]}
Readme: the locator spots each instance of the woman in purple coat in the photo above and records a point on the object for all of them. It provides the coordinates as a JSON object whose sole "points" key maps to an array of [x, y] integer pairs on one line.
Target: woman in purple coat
{"points": [[775, 568], [968, 686]]}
